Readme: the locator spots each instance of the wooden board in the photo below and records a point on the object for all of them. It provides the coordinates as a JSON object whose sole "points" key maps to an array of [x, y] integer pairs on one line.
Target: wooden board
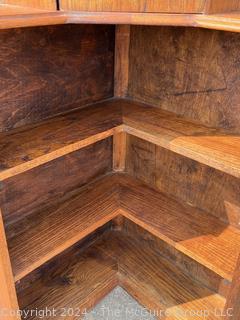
{"points": [[155, 282], [122, 43], [38, 4], [200, 235], [49, 72], [73, 282], [216, 148], [41, 236], [40, 186], [232, 307], [8, 298], [24, 149], [187, 180], [187, 265], [175, 6], [111, 260], [216, 6], [194, 73]]}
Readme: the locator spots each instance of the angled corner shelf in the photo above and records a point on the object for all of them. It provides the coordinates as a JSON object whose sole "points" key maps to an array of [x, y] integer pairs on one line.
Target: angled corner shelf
{"points": [[40, 236], [24, 149], [29, 147], [117, 259]]}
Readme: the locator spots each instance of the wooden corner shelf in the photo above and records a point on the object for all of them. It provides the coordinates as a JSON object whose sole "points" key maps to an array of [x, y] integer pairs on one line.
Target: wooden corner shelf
{"points": [[216, 148], [195, 233], [116, 259], [37, 238], [24, 149]]}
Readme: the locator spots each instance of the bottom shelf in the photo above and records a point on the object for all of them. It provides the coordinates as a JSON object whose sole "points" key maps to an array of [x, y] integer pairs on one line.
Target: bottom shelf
{"points": [[80, 277]]}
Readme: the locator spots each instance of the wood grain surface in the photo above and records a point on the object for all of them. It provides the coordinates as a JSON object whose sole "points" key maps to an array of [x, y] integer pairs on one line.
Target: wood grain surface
{"points": [[28, 147], [187, 180], [200, 235], [75, 281], [37, 238], [175, 6], [194, 73], [216, 148], [155, 282], [38, 4], [8, 297], [116, 259], [49, 72], [38, 187]]}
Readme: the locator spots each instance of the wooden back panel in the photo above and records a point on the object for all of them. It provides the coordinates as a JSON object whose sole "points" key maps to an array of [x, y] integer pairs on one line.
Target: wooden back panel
{"points": [[192, 72], [34, 189], [197, 184], [39, 4], [49, 70], [180, 6], [216, 6]]}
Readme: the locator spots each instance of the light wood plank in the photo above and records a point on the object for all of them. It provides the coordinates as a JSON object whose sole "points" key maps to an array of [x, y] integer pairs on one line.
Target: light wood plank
{"points": [[8, 298], [41, 236], [119, 151], [176, 6], [24, 149], [155, 282], [116, 259], [38, 4], [216, 6], [216, 148], [199, 235], [77, 280]]}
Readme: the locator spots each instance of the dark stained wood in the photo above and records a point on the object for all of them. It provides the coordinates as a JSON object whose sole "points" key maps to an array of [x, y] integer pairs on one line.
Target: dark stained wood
{"points": [[190, 267], [51, 181], [155, 282], [193, 73], [77, 279], [49, 72], [28, 147], [37, 238], [194, 183], [122, 43]]}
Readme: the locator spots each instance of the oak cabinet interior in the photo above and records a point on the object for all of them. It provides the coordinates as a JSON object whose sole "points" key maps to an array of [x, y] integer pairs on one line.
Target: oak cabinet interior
{"points": [[120, 165]]}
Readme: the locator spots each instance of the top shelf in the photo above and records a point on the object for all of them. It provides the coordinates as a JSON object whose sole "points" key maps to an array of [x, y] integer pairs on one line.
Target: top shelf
{"points": [[18, 16], [29, 147]]}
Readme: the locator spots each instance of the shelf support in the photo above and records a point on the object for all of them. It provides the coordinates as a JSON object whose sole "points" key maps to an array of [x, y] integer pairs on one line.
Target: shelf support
{"points": [[8, 297]]}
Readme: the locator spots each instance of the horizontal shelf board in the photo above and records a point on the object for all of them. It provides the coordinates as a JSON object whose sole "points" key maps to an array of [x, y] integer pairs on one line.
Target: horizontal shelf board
{"points": [[37, 238], [197, 234], [16, 16], [216, 148], [76, 280], [157, 283], [27, 148], [116, 259]]}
